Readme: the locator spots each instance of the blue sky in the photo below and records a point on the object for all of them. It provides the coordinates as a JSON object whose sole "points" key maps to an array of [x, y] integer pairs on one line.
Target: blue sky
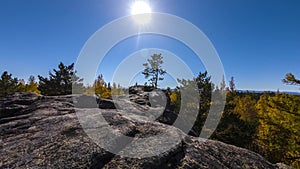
{"points": [[257, 41]]}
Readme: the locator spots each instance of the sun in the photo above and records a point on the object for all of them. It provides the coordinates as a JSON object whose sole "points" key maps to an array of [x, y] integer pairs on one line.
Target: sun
{"points": [[140, 7], [141, 12]]}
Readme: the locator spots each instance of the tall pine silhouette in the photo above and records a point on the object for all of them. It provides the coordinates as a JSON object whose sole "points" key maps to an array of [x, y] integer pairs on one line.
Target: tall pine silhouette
{"points": [[60, 82]]}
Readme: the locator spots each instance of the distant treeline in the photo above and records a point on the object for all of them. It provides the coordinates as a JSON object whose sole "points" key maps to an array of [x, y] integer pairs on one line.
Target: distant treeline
{"points": [[62, 81], [267, 123]]}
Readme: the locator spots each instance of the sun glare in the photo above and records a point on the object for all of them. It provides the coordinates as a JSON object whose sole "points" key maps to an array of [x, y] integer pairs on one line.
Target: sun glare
{"points": [[141, 12]]}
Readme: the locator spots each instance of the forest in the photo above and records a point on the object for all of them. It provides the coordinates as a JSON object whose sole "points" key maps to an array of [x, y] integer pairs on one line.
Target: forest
{"points": [[267, 123]]}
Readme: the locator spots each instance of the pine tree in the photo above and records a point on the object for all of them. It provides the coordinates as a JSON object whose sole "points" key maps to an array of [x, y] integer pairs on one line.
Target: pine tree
{"points": [[203, 85], [8, 85], [60, 82], [291, 80], [232, 84], [154, 69], [109, 86]]}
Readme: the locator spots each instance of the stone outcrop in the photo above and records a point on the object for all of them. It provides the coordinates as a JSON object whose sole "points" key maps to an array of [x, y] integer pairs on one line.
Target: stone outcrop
{"points": [[45, 132]]}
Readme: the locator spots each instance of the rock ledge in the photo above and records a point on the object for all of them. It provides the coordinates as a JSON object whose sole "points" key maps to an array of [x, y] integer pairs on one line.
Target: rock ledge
{"points": [[44, 132]]}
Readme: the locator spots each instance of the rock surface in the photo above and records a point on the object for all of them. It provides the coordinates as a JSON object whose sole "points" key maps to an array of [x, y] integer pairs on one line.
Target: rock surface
{"points": [[45, 132]]}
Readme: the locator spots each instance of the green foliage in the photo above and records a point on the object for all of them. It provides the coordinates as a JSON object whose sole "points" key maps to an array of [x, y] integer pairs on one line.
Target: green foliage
{"points": [[206, 87], [203, 85], [8, 84], [233, 130], [245, 108], [290, 79], [269, 126], [59, 83], [266, 123], [238, 123], [154, 70], [279, 129]]}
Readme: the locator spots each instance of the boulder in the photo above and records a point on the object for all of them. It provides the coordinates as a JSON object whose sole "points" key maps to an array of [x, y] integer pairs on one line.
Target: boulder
{"points": [[106, 104]]}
